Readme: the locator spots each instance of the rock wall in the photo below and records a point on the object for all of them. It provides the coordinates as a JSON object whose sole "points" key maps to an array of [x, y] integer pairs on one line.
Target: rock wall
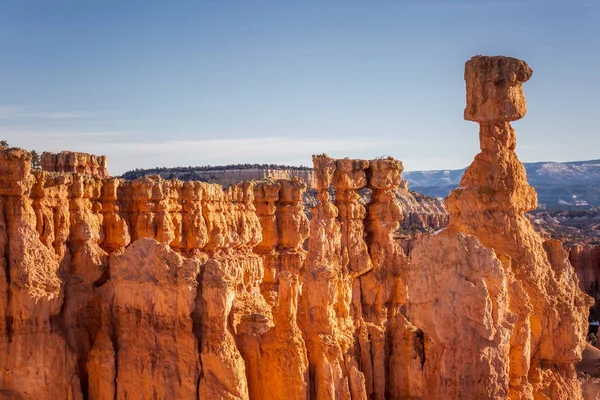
{"points": [[152, 288], [421, 212], [70, 161], [586, 262], [99, 285], [232, 176]]}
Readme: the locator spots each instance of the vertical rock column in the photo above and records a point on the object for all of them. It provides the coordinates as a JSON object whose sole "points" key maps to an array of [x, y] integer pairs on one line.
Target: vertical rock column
{"points": [[194, 232], [282, 364], [349, 177], [88, 264], [223, 368], [36, 361], [266, 195], [151, 203], [292, 226], [231, 307], [325, 301], [115, 231], [550, 330], [461, 293], [382, 288]]}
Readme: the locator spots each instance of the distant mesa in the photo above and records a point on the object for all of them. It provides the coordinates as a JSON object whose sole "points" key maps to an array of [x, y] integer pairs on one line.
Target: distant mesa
{"points": [[227, 175]]}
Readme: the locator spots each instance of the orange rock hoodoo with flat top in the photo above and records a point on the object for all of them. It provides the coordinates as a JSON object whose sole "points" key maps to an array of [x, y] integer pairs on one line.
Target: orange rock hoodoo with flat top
{"points": [[158, 288]]}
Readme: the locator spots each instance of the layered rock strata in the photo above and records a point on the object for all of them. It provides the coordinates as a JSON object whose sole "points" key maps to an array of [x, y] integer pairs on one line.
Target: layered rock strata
{"points": [[228, 175], [70, 161], [421, 213], [152, 288]]}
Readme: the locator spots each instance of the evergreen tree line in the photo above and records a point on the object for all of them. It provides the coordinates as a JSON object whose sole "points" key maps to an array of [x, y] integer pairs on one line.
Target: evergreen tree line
{"points": [[189, 171]]}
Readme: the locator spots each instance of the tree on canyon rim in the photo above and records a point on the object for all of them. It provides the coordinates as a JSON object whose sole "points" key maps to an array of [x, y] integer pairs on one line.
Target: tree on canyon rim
{"points": [[35, 157], [35, 160]]}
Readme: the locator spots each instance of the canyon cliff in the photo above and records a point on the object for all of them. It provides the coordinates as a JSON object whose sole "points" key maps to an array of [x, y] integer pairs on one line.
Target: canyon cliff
{"points": [[69, 161], [153, 288], [228, 175]]}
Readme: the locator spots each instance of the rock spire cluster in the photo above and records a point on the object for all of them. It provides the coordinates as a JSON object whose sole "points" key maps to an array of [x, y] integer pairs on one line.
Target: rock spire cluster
{"points": [[153, 288]]}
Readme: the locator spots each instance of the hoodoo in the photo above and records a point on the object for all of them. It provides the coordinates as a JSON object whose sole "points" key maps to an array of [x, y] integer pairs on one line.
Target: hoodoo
{"points": [[153, 288], [513, 317]]}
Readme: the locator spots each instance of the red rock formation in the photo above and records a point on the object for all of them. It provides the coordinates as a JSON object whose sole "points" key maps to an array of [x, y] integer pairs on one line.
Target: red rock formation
{"points": [[459, 298], [158, 289], [70, 161], [325, 305], [36, 360], [280, 361], [383, 291], [421, 213], [586, 261], [150, 296], [89, 323], [547, 311]]}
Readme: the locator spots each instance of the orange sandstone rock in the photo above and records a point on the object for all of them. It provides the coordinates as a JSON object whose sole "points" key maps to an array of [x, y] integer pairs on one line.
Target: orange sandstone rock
{"points": [[70, 161], [586, 261], [158, 288], [36, 360], [151, 293], [459, 298], [551, 310], [325, 311]]}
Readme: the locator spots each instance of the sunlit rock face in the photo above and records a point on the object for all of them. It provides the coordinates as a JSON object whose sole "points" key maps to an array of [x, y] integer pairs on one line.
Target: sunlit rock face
{"points": [[71, 161], [158, 288], [550, 309]]}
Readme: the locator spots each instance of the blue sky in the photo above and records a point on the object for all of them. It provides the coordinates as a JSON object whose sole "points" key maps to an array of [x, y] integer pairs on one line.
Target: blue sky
{"points": [[159, 83]]}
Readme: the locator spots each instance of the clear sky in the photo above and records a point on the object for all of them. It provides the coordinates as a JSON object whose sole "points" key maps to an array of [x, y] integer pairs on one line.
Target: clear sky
{"points": [[169, 83]]}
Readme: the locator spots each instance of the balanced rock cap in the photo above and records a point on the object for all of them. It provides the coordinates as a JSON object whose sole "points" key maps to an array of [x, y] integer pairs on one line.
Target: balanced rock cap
{"points": [[494, 88]]}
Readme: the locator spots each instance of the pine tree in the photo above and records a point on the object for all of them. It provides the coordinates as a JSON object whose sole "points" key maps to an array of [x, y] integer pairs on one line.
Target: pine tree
{"points": [[35, 160]]}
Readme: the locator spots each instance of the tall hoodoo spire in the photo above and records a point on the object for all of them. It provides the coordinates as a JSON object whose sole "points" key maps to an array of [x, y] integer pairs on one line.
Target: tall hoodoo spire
{"points": [[494, 195]]}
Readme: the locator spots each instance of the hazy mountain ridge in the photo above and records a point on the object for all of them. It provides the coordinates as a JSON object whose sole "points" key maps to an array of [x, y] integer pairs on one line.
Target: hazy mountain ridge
{"points": [[560, 185]]}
